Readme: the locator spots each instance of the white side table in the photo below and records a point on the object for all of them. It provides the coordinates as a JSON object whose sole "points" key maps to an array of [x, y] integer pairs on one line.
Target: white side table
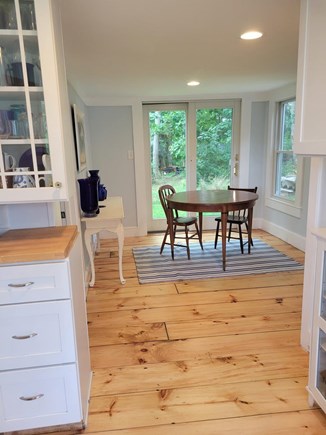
{"points": [[109, 219]]}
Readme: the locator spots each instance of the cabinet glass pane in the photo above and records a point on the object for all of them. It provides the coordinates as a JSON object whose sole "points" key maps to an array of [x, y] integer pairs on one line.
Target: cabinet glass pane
{"points": [[323, 290], [8, 18], [13, 72], [10, 61], [13, 119], [27, 14], [26, 165], [32, 56], [321, 368], [38, 116]]}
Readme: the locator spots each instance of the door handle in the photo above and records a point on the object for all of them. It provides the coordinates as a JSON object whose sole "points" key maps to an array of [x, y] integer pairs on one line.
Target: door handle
{"points": [[236, 165]]}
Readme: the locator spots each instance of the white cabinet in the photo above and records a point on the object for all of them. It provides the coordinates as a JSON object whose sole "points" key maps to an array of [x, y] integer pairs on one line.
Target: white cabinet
{"points": [[317, 366], [45, 372], [32, 167], [39, 397], [310, 132], [36, 334]]}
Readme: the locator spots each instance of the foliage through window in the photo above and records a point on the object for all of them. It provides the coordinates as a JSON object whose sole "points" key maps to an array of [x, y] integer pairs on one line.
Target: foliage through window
{"points": [[286, 161], [214, 142], [191, 145]]}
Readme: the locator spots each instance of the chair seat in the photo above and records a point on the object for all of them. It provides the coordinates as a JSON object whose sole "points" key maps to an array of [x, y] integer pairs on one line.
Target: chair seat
{"points": [[234, 219], [185, 220]]}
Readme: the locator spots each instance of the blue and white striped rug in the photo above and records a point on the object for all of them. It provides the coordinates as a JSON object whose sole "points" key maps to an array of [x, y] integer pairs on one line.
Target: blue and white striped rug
{"points": [[153, 267]]}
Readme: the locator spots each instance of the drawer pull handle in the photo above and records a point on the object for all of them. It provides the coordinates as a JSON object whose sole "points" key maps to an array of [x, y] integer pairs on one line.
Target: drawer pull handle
{"points": [[25, 284], [29, 398], [24, 337]]}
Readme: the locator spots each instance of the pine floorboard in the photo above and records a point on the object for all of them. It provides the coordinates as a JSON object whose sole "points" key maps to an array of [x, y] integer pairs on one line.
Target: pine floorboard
{"points": [[208, 357]]}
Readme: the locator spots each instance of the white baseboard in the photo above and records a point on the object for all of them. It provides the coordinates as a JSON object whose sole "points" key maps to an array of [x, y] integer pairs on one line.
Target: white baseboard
{"points": [[128, 232], [282, 233], [293, 239]]}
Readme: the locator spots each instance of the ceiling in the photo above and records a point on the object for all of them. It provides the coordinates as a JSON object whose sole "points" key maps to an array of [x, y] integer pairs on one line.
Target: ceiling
{"points": [[152, 48]]}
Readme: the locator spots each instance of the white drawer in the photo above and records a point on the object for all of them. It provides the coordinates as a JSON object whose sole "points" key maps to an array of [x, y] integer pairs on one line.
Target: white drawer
{"points": [[38, 398], [34, 282], [36, 334]]}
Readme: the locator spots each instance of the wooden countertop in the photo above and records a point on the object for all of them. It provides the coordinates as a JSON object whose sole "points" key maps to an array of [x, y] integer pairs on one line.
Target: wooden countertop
{"points": [[36, 244]]}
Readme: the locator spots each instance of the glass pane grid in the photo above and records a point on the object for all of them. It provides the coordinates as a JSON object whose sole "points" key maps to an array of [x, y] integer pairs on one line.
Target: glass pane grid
{"points": [[24, 150]]}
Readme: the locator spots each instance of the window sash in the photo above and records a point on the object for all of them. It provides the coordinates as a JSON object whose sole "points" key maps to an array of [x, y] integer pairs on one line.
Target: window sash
{"points": [[285, 163]]}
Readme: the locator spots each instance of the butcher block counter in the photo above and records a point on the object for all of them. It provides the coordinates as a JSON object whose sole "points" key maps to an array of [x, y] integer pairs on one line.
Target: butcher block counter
{"points": [[36, 244], [45, 372]]}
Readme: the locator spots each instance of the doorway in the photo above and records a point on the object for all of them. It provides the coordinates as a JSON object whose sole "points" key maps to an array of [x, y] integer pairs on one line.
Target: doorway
{"points": [[191, 146]]}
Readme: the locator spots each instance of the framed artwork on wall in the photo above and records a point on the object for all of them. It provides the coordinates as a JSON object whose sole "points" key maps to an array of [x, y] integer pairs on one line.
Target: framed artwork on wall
{"points": [[79, 133]]}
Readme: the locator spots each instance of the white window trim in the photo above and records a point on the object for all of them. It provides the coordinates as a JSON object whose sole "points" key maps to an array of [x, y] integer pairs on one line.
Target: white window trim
{"points": [[292, 208]]}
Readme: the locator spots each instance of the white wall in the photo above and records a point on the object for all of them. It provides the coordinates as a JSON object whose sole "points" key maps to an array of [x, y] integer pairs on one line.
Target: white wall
{"points": [[16, 216], [114, 130], [74, 98], [257, 152], [278, 219], [112, 146]]}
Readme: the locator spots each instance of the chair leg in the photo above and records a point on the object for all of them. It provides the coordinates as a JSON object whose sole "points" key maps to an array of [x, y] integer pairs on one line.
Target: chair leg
{"points": [[252, 243], [199, 236], [172, 247], [240, 237], [164, 240], [216, 234], [187, 241], [230, 231]]}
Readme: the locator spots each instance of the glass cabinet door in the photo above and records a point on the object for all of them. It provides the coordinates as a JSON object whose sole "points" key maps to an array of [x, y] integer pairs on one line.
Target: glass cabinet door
{"points": [[321, 349], [323, 289], [321, 364], [317, 364], [24, 148]]}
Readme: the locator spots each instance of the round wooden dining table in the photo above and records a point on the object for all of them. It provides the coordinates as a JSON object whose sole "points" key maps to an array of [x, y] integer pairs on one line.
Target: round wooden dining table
{"points": [[201, 201]]}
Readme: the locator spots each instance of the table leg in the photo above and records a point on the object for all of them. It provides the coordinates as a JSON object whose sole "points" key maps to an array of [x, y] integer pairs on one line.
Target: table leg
{"points": [[170, 225], [88, 244], [120, 234], [224, 219], [200, 220], [250, 214]]}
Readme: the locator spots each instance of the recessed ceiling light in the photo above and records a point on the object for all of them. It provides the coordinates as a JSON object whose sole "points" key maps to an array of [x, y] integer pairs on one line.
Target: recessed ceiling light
{"points": [[193, 83], [251, 35]]}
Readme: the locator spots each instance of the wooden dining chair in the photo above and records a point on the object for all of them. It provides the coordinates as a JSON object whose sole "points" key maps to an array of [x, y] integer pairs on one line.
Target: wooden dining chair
{"points": [[238, 218], [178, 221]]}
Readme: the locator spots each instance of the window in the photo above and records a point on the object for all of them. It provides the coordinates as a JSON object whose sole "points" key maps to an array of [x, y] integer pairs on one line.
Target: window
{"points": [[285, 160], [284, 175]]}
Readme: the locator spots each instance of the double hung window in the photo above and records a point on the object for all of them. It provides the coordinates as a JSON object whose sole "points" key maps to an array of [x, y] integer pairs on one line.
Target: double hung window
{"points": [[286, 165], [285, 169]]}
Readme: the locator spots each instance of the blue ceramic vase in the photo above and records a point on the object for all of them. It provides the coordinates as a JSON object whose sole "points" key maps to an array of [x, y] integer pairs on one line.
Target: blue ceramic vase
{"points": [[102, 192], [94, 175], [88, 189]]}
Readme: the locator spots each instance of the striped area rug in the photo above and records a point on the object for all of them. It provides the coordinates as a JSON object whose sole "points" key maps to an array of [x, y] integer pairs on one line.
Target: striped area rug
{"points": [[153, 267]]}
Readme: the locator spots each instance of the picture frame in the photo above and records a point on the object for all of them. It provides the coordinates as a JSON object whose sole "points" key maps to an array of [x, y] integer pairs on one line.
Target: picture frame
{"points": [[79, 133]]}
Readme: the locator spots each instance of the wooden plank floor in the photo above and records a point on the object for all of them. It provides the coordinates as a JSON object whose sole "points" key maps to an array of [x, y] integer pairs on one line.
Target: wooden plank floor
{"points": [[206, 357]]}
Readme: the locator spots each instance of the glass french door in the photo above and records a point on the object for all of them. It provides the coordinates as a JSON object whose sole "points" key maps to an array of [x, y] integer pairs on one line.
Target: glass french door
{"points": [[191, 146]]}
